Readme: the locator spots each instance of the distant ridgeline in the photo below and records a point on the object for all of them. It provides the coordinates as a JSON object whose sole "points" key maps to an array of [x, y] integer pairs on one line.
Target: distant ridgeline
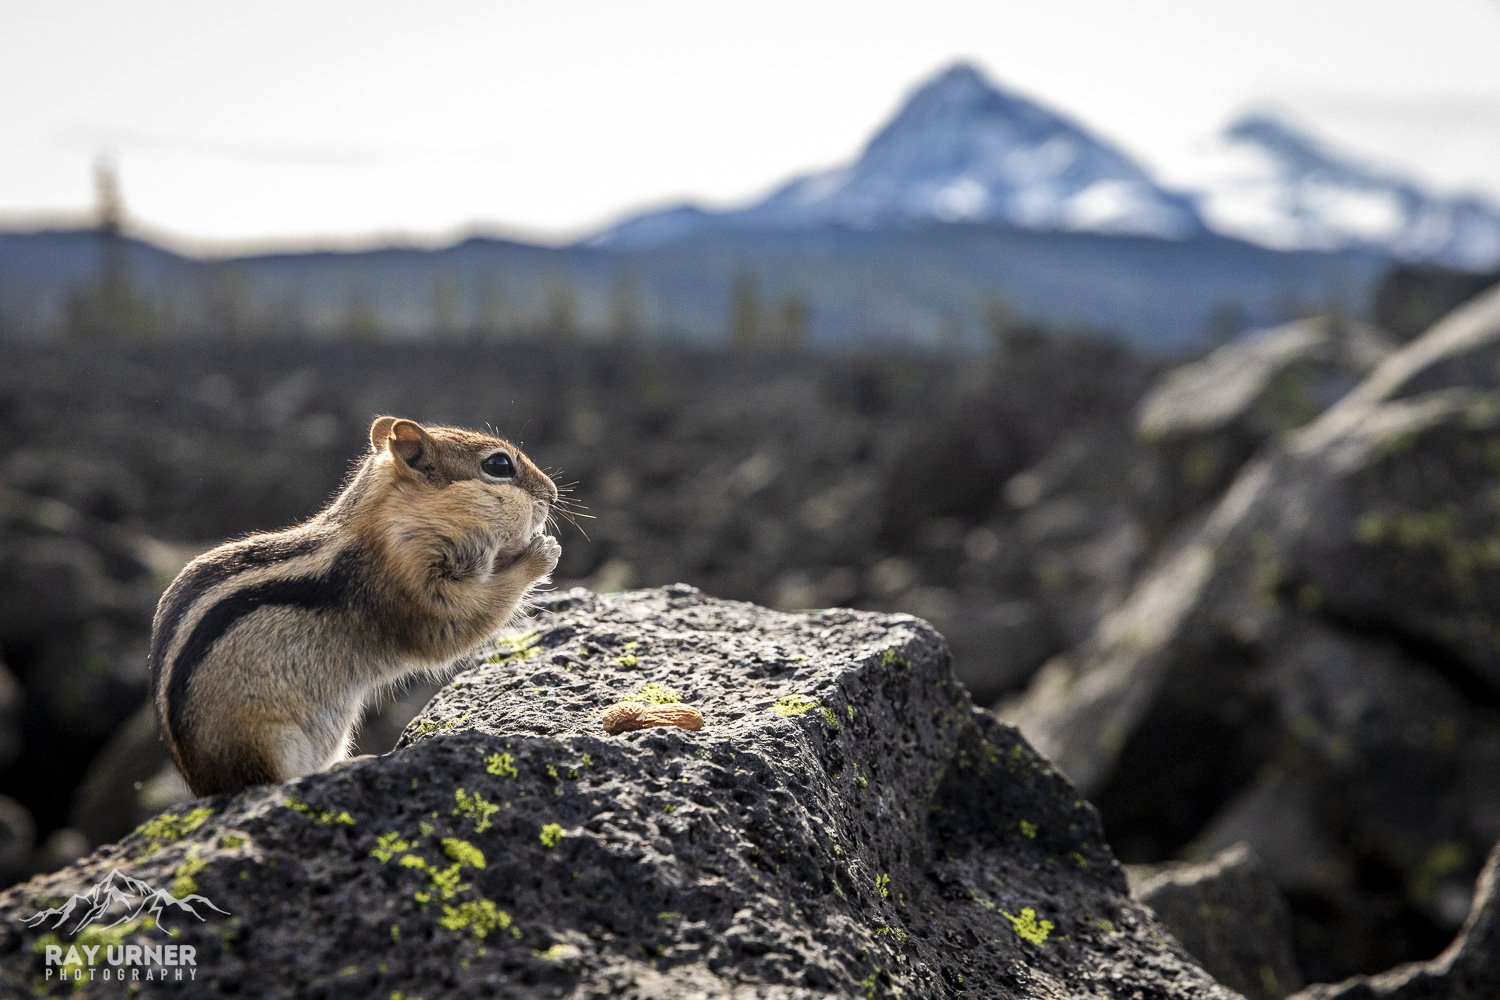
{"points": [[948, 285], [972, 214]]}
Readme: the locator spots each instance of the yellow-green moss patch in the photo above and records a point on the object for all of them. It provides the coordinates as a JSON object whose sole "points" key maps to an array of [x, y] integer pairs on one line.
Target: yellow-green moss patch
{"points": [[183, 883], [654, 694], [169, 826], [516, 647], [475, 807], [480, 918], [463, 852], [794, 704], [1028, 927], [501, 765], [388, 845], [551, 835], [325, 816]]}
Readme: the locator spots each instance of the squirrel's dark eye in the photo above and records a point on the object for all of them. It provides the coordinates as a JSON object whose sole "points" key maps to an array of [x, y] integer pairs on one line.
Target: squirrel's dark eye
{"points": [[499, 466]]}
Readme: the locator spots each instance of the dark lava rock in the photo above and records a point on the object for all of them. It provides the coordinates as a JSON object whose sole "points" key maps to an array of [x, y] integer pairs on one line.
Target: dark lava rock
{"points": [[10, 717], [845, 824], [1469, 969], [1229, 916], [17, 838], [1315, 670], [1207, 418], [131, 779]]}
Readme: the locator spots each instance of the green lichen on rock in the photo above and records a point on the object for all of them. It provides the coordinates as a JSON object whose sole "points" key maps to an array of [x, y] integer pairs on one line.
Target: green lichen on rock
{"points": [[883, 885], [183, 883], [444, 881], [327, 817], [654, 694], [893, 658], [388, 845], [516, 647], [501, 765], [794, 704], [551, 835], [479, 917], [1028, 829], [475, 807], [463, 852], [431, 727], [1028, 927], [169, 826]]}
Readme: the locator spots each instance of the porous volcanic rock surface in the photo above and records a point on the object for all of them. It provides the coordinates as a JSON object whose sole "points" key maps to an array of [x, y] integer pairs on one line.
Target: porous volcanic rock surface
{"points": [[845, 824]]}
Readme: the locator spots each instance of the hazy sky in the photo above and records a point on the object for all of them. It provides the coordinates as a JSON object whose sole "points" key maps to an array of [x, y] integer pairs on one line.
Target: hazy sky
{"points": [[275, 121]]}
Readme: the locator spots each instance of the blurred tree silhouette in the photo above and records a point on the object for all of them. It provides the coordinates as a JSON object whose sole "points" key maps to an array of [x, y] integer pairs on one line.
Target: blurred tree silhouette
{"points": [[789, 329], [361, 321], [1010, 335], [627, 322], [744, 311], [110, 306], [492, 320], [561, 316], [447, 306], [228, 306]]}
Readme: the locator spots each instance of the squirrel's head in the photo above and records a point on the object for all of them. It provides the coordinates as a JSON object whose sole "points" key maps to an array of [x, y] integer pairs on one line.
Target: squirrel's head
{"points": [[453, 474]]}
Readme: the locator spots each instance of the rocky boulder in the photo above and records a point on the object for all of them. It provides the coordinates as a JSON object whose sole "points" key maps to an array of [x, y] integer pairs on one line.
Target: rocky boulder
{"points": [[1230, 916], [845, 823], [1207, 418], [1315, 670], [1468, 969]]}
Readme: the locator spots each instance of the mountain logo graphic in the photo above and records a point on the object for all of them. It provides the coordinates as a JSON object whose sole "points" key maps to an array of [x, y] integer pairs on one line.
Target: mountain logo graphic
{"points": [[116, 899]]}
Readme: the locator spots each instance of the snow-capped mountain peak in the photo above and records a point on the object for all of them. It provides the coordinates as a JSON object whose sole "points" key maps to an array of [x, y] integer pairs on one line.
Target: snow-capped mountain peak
{"points": [[960, 149], [1267, 180]]}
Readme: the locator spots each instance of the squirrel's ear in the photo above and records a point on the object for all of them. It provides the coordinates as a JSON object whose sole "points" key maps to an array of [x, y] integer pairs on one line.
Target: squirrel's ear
{"points": [[412, 447], [380, 432]]}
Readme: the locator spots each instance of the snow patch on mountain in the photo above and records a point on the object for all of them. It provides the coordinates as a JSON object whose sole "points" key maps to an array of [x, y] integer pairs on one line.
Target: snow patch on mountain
{"points": [[1270, 182]]}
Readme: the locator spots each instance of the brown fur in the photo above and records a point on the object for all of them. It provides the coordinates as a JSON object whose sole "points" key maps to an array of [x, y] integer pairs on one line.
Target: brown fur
{"points": [[265, 649]]}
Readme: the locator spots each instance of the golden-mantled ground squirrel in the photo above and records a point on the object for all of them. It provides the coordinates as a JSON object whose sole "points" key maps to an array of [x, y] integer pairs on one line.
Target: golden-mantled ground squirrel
{"points": [[264, 650]]}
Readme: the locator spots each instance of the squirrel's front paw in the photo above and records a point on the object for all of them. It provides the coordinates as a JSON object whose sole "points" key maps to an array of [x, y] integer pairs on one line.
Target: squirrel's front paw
{"points": [[542, 553]]}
